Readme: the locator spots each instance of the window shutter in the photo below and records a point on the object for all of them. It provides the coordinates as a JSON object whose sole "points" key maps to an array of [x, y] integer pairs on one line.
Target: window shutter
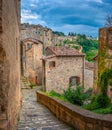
{"points": [[78, 79]]}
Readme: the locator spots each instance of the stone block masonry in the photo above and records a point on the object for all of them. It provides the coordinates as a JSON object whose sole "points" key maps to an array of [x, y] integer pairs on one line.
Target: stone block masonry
{"points": [[39, 32], [75, 116], [62, 67], [31, 53]]}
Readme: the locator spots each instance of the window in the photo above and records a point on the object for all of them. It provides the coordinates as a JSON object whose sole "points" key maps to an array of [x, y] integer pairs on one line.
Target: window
{"points": [[28, 46], [74, 80], [51, 64]]}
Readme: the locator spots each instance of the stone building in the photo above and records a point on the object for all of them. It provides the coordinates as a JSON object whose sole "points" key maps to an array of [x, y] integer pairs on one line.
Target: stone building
{"points": [[88, 75], [104, 59], [39, 32], [9, 63], [61, 39], [31, 52], [62, 66]]}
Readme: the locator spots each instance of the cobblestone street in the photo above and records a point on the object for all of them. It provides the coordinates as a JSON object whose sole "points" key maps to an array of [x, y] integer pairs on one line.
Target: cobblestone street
{"points": [[34, 116]]}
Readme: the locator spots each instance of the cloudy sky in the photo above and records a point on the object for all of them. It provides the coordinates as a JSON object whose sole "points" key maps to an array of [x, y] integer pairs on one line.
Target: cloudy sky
{"points": [[80, 16]]}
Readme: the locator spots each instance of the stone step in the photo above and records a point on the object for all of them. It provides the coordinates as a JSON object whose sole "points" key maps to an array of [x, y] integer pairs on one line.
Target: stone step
{"points": [[3, 116], [3, 124]]}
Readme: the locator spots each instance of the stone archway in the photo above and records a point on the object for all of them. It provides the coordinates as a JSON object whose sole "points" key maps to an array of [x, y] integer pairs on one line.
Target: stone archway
{"points": [[4, 82]]}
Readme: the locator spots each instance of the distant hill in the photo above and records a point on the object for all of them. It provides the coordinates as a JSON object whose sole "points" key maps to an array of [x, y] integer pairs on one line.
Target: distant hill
{"points": [[59, 33], [90, 46], [88, 43]]}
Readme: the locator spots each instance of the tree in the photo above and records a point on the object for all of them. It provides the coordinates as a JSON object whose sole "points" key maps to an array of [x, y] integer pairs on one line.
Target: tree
{"points": [[59, 33], [71, 34], [108, 20]]}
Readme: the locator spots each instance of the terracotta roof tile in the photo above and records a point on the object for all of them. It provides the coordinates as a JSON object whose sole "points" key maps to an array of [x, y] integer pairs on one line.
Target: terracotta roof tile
{"points": [[64, 51], [48, 57], [89, 65]]}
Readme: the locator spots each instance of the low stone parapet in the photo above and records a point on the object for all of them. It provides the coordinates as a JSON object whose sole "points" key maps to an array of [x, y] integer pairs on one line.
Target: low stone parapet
{"points": [[78, 118]]}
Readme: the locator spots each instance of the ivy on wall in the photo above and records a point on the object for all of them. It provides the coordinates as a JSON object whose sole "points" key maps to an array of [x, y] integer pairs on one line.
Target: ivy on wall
{"points": [[105, 80]]}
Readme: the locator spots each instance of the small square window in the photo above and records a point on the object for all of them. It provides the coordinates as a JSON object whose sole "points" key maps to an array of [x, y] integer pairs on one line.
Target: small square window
{"points": [[74, 80], [52, 64], [28, 46]]}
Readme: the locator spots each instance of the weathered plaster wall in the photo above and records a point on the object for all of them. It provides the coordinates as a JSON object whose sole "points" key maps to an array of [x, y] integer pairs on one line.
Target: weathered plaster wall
{"points": [[10, 63]]}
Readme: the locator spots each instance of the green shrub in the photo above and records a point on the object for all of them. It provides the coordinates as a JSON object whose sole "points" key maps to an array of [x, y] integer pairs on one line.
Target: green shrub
{"points": [[110, 82], [32, 85], [91, 106], [76, 47], [93, 98], [53, 93], [107, 110], [105, 80], [89, 91], [97, 102], [75, 96], [56, 95], [103, 100]]}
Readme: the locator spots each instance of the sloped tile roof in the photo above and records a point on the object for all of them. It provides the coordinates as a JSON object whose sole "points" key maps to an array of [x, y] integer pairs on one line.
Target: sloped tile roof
{"points": [[64, 51], [89, 65]]}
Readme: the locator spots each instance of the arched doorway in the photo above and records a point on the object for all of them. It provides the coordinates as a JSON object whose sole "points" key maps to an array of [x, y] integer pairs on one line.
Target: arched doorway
{"points": [[4, 82]]}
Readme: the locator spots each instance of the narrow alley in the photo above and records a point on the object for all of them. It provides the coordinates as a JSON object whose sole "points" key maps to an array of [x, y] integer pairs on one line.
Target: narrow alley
{"points": [[34, 116]]}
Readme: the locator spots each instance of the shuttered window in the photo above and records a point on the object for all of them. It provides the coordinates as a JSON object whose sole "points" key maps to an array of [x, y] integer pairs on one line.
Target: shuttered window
{"points": [[74, 80]]}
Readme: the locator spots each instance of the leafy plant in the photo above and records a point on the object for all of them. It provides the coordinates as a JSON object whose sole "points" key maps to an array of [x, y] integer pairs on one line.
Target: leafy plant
{"points": [[103, 100], [89, 91], [104, 80], [75, 96], [32, 85], [107, 110], [97, 102], [76, 47], [57, 95], [110, 83]]}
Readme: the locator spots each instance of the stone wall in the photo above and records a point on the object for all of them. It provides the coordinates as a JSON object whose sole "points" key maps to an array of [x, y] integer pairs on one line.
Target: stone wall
{"points": [[95, 88], [104, 59], [9, 63], [88, 78], [39, 32], [75, 116], [58, 77], [31, 61]]}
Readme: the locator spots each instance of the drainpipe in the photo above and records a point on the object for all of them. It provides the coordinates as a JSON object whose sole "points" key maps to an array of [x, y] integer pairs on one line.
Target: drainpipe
{"points": [[83, 68]]}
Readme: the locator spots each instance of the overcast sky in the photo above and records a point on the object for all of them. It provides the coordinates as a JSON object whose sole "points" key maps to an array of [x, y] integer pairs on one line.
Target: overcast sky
{"points": [[80, 16]]}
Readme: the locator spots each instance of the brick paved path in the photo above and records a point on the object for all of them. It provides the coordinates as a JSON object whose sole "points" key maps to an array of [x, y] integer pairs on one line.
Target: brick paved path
{"points": [[34, 116]]}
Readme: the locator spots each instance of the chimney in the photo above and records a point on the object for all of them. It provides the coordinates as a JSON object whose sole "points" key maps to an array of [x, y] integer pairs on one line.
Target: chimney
{"points": [[67, 46], [80, 49]]}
